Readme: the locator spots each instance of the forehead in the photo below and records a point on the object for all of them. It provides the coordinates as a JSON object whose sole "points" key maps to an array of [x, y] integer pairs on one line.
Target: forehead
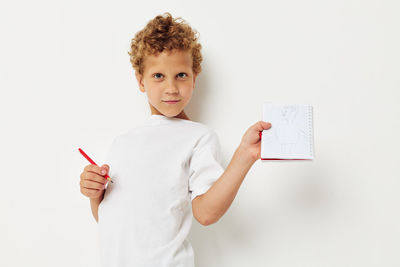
{"points": [[168, 60]]}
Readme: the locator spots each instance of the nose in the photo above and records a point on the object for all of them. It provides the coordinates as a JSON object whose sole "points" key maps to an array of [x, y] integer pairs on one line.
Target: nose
{"points": [[171, 87]]}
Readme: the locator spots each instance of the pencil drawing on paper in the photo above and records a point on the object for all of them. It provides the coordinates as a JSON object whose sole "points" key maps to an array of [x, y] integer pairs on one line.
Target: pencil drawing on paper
{"points": [[286, 131]]}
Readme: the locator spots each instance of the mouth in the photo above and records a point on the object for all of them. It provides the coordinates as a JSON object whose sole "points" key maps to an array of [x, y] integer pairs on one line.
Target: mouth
{"points": [[171, 101]]}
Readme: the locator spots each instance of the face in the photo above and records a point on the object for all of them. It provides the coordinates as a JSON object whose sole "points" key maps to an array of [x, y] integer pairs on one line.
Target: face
{"points": [[168, 76]]}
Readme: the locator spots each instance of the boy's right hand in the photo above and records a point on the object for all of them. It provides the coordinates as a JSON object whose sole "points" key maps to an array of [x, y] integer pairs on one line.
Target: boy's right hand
{"points": [[92, 181]]}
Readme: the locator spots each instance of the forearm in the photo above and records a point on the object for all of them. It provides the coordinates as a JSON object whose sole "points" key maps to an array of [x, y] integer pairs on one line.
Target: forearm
{"points": [[94, 204], [219, 197]]}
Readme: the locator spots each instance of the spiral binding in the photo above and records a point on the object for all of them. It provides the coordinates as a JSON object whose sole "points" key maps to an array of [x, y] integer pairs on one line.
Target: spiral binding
{"points": [[310, 130]]}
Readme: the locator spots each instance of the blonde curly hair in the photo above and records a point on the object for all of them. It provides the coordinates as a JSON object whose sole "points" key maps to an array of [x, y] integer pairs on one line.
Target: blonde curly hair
{"points": [[164, 33]]}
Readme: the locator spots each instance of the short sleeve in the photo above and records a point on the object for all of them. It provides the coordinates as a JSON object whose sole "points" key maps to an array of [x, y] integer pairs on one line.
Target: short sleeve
{"points": [[205, 164]]}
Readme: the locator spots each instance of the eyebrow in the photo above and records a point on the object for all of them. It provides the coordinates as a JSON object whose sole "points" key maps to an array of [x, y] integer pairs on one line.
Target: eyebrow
{"points": [[183, 71]]}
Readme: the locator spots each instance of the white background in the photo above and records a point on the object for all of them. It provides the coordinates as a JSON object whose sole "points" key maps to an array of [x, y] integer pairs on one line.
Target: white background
{"points": [[66, 82]]}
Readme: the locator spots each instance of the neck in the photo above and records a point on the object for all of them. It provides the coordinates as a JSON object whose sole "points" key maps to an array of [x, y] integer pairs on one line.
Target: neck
{"points": [[182, 115]]}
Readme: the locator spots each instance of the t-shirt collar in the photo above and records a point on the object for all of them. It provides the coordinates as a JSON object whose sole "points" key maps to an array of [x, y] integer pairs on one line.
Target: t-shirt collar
{"points": [[159, 117]]}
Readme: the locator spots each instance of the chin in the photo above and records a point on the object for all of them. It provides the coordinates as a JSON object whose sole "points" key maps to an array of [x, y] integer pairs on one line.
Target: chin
{"points": [[168, 114], [168, 111], [171, 113]]}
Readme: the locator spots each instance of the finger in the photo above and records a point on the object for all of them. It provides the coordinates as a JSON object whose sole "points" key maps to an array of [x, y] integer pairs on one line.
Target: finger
{"points": [[92, 176], [90, 192], [96, 169], [91, 185]]}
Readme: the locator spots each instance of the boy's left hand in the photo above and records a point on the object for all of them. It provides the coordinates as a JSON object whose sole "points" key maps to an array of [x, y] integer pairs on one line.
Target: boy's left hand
{"points": [[251, 140]]}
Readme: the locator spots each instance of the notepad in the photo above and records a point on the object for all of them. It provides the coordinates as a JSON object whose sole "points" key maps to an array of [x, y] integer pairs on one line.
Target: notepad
{"points": [[291, 134]]}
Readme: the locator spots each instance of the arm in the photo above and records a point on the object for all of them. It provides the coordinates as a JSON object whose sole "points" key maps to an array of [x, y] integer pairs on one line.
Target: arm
{"points": [[213, 204], [94, 204]]}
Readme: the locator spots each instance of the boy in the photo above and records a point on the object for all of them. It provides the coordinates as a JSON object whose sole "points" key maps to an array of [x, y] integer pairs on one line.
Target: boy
{"points": [[163, 166]]}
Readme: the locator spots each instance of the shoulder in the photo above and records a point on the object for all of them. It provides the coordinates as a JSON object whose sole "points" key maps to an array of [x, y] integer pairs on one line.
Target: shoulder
{"points": [[201, 131], [200, 127], [207, 137]]}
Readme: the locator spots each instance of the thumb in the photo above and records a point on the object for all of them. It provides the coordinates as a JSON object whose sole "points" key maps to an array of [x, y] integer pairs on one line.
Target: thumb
{"points": [[262, 125], [266, 125], [105, 167]]}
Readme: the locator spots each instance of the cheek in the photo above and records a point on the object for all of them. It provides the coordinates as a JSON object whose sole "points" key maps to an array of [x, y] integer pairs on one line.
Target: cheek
{"points": [[155, 95], [186, 87], [153, 90], [187, 92]]}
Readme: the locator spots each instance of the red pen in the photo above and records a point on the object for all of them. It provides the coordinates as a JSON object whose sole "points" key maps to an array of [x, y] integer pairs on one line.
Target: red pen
{"points": [[91, 161]]}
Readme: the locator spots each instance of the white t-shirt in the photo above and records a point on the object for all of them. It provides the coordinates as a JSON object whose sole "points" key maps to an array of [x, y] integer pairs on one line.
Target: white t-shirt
{"points": [[158, 168]]}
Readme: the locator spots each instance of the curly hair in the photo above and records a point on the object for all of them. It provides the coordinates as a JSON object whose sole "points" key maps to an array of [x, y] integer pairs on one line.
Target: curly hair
{"points": [[164, 33]]}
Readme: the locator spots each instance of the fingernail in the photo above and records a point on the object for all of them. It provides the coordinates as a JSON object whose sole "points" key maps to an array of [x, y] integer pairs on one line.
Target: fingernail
{"points": [[103, 171]]}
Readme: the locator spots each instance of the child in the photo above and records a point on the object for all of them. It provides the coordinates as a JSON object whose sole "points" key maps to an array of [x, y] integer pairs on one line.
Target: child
{"points": [[166, 164]]}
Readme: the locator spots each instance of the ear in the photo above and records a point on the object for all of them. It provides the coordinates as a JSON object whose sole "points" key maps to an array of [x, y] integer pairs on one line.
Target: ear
{"points": [[139, 79]]}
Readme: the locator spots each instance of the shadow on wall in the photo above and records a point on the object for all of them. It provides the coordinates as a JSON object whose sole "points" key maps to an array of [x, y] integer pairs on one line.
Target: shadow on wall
{"points": [[303, 195]]}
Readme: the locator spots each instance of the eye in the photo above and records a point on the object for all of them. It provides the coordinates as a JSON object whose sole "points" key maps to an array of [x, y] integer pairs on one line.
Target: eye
{"points": [[183, 73], [156, 74]]}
